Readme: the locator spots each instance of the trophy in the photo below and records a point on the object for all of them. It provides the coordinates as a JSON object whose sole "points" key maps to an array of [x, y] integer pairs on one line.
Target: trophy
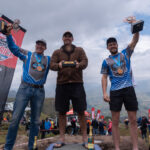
{"points": [[69, 64], [3, 27], [136, 25], [16, 24]]}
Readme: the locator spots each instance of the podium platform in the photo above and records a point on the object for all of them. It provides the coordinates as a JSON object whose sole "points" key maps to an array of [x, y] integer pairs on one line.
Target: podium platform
{"points": [[72, 147]]}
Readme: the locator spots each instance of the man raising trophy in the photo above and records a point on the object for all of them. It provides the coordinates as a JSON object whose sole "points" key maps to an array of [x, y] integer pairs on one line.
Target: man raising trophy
{"points": [[118, 67]]}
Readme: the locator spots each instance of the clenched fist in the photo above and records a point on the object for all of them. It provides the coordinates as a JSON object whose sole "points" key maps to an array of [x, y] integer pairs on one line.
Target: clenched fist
{"points": [[106, 98]]}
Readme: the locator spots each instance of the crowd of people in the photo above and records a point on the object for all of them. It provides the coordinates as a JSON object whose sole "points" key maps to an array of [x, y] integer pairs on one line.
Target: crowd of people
{"points": [[46, 126], [144, 126], [100, 127]]}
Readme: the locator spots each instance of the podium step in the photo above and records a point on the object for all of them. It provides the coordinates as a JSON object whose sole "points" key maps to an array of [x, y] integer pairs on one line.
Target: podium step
{"points": [[72, 147]]}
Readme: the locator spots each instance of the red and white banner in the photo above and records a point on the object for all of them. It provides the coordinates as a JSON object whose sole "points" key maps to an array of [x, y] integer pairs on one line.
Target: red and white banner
{"points": [[149, 115], [98, 114], [102, 117], [8, 62], [93, 112]]}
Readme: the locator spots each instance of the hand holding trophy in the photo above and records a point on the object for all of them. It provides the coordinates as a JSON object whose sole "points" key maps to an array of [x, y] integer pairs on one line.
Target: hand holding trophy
{"points": [[136, 25], [6, 28]]}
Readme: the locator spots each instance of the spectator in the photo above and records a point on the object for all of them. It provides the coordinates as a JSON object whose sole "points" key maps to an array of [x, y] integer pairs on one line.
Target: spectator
{"points": [[101, 127], [126, 122], [110, 127], [144, 127], [139, 121], [42, 128], [47, 125], [8, 117], [52, 124], [148, 125], [73, 124], [95, 126], [88, 126], [105, 128], [27, 128]]}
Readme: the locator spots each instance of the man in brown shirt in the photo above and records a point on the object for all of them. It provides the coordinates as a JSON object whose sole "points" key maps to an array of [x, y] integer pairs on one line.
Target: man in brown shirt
{"points": [[69, 61]]}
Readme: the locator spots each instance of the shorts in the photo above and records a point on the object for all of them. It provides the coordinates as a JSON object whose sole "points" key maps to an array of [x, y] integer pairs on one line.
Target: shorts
{"points": [[124, 96], [71, 91]]}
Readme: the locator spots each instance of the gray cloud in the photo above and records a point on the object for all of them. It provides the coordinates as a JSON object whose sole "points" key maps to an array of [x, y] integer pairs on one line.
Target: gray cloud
{"points": [[91, 23]]}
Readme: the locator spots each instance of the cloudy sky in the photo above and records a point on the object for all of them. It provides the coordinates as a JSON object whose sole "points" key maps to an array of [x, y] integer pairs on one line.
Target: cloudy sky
{"points": [[91, 22]]}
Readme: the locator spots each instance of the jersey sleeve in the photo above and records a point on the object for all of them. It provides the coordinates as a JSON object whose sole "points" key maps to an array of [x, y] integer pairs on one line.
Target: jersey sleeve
{"points": [[128, 52], [14, 48], [104, 68]]}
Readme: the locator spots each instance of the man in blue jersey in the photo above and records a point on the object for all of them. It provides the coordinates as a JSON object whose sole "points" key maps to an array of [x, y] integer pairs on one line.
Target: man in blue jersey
{"points": [[35, 70], [118, 67]]}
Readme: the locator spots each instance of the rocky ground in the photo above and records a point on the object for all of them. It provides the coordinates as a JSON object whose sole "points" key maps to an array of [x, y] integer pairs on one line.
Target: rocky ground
{"points": [[105, 142]]}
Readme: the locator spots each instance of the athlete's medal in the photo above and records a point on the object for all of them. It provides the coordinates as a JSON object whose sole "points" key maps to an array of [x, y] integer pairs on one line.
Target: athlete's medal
{"points": [[120, 71], [118, 63], [39, 68]]}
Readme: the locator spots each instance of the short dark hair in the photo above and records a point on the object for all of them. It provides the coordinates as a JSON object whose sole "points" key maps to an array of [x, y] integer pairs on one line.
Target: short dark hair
{"points": [[111, 39], [68, 33]]}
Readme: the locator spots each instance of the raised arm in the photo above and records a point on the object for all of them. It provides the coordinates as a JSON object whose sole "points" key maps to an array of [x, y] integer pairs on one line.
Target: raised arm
{"points": [[14, 48], [134, 41]]}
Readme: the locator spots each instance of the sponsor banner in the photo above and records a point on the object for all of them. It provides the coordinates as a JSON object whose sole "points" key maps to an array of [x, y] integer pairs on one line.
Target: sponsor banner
{"points": [[93, 112], [98, 114], [8, 61]]}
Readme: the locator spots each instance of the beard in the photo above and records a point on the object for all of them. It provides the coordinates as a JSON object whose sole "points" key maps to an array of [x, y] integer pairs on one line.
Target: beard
{"points": [[113, 52]]}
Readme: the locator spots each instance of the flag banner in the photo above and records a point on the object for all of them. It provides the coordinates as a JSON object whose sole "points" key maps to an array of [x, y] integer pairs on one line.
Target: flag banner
{"points": [[102, 117], [8, 62], [93, 112], [98, 114]]}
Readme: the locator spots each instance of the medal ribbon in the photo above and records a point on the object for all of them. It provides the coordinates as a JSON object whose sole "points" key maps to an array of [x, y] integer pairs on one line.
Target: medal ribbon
{"points": [[117, 61], [38, 59]]}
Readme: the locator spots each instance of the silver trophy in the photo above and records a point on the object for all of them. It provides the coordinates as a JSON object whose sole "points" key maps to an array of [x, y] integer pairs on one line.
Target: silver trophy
{"points": [[136, 25], [3, 26], [16, 24]]}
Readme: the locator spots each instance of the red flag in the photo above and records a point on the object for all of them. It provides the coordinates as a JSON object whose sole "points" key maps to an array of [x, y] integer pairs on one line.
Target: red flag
{"points": [[98, 114], [93, 112], [8, 62], [102, 117]]}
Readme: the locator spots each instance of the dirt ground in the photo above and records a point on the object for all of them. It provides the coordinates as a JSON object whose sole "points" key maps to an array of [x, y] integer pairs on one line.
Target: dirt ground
{"points": [[105, 142]]}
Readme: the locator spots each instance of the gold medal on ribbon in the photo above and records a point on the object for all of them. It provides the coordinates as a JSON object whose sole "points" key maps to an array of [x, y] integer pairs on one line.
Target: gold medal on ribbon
{"points": [[39, 68], [120, 71]]}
